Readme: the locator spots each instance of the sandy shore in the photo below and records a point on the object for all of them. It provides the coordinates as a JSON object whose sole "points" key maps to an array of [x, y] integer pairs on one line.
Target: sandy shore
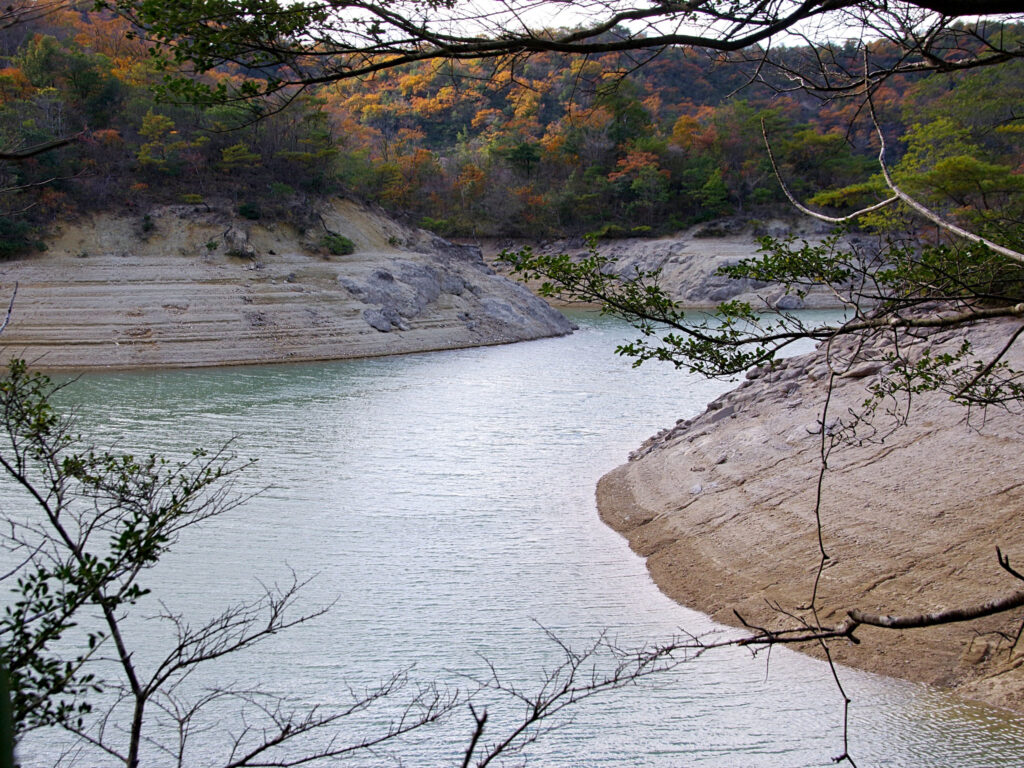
{"points": [[722, 507], [196, 286]]}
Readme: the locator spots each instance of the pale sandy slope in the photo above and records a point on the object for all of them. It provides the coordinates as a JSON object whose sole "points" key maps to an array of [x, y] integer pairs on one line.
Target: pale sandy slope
{"points": [[197, 285], [723, 508], [687, 262]]}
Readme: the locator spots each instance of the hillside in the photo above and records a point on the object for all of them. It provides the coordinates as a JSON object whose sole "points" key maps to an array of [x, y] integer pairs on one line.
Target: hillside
{"points": [[194, 285], [557, 146]]}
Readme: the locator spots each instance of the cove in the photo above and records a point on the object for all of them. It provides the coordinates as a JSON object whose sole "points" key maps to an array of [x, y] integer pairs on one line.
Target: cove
{"points": [[444, 505]]}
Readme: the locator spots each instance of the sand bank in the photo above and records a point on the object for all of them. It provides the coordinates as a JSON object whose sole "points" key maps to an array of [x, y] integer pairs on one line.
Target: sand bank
{"points": [[722, 507], [197, 285]]}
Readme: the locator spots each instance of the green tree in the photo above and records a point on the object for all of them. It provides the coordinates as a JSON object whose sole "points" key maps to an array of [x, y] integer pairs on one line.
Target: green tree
{"points": [[238, 156], [524, 156], [85, 78], [714, 195], [165, 149], [630, 119]]}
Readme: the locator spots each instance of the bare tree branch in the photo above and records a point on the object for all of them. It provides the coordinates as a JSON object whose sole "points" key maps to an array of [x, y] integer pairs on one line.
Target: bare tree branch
{"points": [[10, 308], [803, 208], [921, 620], [39, 149], [357, 39]]}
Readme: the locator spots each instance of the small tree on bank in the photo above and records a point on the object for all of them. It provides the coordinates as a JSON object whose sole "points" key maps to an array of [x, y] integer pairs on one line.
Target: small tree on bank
{"points": [[82, 529], [93, 525]]}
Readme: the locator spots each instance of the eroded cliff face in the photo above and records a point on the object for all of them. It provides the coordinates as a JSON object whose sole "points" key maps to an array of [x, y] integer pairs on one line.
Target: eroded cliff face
{"points": [[195, 285], [722, 507], [688, 262]]}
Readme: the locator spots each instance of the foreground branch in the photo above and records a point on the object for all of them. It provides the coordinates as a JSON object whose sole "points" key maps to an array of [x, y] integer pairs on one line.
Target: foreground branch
{"points": [[855, 618], [38, 149], [921, 620]]}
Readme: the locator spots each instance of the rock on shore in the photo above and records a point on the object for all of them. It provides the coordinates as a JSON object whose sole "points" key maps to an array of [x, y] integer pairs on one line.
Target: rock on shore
{"points": [[722, 507], [191, 285]]}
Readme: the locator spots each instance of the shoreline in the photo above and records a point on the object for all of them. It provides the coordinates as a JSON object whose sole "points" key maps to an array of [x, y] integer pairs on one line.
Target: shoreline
{"points": [[38, 364], [722, 508]]}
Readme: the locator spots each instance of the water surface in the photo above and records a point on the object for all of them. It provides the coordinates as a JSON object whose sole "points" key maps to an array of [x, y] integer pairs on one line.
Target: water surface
{"points": [[444, 503]]}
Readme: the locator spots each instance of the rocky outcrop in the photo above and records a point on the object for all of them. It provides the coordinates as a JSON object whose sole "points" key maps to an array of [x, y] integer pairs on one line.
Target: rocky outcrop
{"points": [[688, 262], [722, 506], [196, 285]]}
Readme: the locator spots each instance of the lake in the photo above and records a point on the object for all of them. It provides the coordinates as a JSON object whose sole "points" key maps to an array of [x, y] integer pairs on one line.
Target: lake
{"points": [[444, 505]]}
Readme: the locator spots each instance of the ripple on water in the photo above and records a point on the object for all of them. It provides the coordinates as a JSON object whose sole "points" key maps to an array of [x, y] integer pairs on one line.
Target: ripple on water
{"points": [[445, 504]]}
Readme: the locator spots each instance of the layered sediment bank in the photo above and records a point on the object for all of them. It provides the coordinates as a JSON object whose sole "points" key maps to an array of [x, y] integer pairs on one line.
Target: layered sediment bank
{"points": [[687, 262], [198, 285], [723, 508]]}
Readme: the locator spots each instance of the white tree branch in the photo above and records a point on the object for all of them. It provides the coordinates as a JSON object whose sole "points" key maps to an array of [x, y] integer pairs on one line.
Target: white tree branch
{"points": [[803, 208]]}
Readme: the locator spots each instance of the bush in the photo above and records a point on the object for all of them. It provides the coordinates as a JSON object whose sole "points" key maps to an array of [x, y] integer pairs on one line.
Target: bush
{"points": [[610, 232], [250, 211], [15, 238], [442, 227], [280, 189], [337, 245]]}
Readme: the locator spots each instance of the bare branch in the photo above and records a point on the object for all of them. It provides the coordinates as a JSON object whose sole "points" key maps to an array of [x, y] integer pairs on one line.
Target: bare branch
{"points": [[478, 730], [803, 208], [39, 149], [928, 213], [920, 620], [10, 308], [1004, 562]]}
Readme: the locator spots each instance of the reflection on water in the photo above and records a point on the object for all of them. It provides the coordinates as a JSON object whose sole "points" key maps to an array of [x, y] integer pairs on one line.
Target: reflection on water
{"points": [[445, 504]]}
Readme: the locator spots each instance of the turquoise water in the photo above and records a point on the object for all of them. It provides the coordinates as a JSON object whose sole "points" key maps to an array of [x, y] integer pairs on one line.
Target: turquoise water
{"points": [[443, 505]]}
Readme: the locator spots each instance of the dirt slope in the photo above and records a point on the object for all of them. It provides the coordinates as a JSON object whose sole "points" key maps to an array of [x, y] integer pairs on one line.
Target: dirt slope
{"points": [[196, 285]]}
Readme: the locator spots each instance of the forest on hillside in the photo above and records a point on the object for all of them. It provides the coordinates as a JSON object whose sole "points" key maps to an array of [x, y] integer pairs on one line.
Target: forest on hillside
{"points": [[551, 145]]}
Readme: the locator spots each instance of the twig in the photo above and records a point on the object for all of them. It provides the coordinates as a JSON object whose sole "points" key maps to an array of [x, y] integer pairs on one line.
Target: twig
{"points": [[10, 309]]}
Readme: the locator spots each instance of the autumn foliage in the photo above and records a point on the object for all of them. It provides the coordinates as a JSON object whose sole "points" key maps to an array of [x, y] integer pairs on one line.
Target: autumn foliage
{"points": [[552, 145]]}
